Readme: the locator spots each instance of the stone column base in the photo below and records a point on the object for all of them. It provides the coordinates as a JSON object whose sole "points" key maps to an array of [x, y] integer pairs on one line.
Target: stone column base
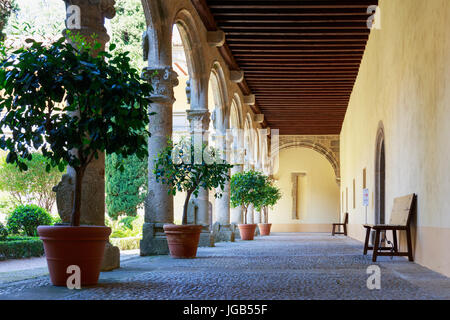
{"points": [[235, 229], [154, 241], [257, 233], [111, 259], [206, 239], [223, 232]]}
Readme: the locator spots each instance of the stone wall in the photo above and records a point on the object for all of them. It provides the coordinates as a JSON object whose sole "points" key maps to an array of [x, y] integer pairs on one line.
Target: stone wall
{"points": [[404, 82]]}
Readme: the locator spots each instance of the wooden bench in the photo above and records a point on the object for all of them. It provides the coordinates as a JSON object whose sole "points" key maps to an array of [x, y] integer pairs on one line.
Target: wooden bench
{"points": [[344, 225], [400, 220]]}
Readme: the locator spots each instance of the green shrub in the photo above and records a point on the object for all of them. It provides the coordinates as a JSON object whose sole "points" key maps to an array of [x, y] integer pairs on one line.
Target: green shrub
{"points": [[33, 186], [21, 247], [125, 189], [26, 219], [125, 227], [127, 222], [130, 243], [3, 232]]}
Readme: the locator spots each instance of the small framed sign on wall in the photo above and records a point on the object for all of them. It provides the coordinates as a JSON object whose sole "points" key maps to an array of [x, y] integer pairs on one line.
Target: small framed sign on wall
{"points": [[365, 197]]}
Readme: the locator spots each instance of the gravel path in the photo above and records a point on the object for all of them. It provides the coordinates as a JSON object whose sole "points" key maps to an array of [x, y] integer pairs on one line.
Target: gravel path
{"points": [[282, 266]]}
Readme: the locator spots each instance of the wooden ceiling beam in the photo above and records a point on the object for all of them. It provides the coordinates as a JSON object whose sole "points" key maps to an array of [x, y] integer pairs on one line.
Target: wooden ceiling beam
{"points": [[300, 57]]}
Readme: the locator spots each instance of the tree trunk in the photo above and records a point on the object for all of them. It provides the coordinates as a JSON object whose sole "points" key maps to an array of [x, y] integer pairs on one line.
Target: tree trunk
{"points": [[245, 215], [185, 207], [76, 211]]}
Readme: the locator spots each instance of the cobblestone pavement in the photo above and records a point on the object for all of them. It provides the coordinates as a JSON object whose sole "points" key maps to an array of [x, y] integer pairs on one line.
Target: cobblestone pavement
{"points": [[281, 266]]}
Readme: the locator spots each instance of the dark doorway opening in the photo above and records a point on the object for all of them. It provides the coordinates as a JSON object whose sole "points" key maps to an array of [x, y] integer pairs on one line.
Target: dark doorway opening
{"points": [[380, 177]]}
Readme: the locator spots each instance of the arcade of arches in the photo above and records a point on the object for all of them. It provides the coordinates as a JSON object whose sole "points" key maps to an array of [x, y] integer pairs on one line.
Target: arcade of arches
{"points": [[372, 113]]}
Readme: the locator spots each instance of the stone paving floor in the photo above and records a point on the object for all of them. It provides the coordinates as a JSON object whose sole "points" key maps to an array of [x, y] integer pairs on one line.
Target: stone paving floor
{"points": [[282, 266]]}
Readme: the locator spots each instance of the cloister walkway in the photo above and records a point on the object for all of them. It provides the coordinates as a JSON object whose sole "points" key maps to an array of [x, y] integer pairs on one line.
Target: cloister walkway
{"points": [[282, 266]]}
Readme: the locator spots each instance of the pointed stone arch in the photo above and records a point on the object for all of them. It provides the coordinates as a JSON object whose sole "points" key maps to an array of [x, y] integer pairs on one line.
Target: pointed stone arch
{"points": [[380, 175], [328, 146]]}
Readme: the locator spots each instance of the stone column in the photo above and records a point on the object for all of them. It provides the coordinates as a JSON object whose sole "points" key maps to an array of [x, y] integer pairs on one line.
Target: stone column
{"points": [[257, 214], [157, 50], [236, 213], [199, 126], [223, 231], [159, 204], [90, 18]]}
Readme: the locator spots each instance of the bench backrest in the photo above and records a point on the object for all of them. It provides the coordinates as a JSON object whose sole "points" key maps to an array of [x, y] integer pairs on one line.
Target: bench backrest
{"points": [[402, 210], [346, 218]]}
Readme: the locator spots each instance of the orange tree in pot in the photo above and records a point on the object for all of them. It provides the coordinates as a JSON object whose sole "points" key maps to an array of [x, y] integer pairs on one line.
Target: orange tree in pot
{"points": [[178, 167], [270, 196], [71, 106], [246, 189]]}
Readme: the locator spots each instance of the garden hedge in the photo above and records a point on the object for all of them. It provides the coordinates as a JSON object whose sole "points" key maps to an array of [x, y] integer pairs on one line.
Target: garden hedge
{"points": [[130, 243], [21, 247]]}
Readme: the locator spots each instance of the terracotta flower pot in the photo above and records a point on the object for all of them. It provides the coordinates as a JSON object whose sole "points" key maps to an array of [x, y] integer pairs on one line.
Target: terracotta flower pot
{"points": [[247, 231], [264, 228], [81, 246], [183, 240]]}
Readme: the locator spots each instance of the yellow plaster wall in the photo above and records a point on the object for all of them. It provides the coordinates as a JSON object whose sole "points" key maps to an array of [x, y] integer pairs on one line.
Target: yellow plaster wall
{"points": [[404, 81], [322, 192]]}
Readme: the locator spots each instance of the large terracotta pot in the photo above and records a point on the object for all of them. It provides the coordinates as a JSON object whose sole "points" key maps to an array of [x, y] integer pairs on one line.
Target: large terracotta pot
{"points": [[82, 246], [247, 231], [183, 240], [264, 229]]}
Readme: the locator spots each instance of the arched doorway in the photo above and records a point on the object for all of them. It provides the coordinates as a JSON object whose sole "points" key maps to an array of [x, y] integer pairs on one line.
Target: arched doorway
{"points": [[380, 177]]}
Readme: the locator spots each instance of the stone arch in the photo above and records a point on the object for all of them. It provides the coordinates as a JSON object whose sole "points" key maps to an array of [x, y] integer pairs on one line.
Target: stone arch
{"points": [[247, 140], [318, 147], [380, 175], [195, 57], [218, 86], [235, 112], [257, 148]]}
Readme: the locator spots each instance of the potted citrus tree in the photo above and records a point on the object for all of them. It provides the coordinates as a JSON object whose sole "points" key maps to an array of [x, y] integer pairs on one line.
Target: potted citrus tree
{"points": [[71, 106], [246, 189], [270, 196], [175, 166]]}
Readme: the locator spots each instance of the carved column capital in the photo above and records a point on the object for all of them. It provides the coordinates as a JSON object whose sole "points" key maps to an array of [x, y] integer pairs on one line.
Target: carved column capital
{"points": [[198, 120], [92, 14], [163, 80]]}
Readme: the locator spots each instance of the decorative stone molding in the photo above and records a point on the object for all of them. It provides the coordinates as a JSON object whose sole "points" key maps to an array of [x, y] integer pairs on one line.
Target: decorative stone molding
{"points": [[163, 81], [258, 118], [250, 99], [92, 16], [294, 180], [188, 91], [215, 38], [198, 119], [327, 145], [236, 76]]}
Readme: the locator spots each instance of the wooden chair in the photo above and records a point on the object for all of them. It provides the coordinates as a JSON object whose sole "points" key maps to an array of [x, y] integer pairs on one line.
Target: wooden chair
{"points": [[344, 225], [400, 220]]}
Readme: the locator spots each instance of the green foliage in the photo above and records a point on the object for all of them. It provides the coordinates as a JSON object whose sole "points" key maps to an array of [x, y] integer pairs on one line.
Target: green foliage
{"points": [[125, 227], [58, 99], [44, 18], [21, 247], [125, 190], [35, 185], [7, 7], [6, 205], [176, 167], [130, 243], [127, 28], [270, 196], [3, 232], [247, 188], [127, 222], [26, 219]]}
